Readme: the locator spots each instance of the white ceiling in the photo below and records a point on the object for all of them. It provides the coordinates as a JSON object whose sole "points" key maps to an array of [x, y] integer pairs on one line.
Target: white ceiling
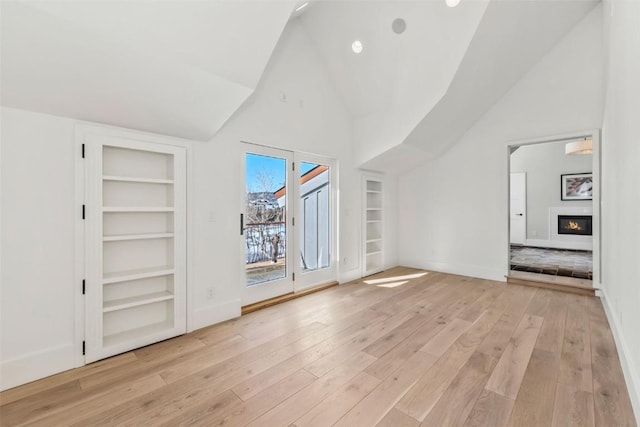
{"points": [[394, 70], [511, 38], [180, 68]]}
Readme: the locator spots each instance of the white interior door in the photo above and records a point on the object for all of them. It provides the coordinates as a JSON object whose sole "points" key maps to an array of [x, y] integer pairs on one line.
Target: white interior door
{"points": [[266, 219], [518, 208]]}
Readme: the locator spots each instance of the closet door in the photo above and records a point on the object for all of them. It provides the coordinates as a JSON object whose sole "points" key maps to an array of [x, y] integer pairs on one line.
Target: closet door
{"points": [[135, 244]]}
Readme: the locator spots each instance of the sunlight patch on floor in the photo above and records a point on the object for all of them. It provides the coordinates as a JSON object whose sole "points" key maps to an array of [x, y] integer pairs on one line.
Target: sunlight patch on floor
{"points": [[394, 282], [406, 277]]}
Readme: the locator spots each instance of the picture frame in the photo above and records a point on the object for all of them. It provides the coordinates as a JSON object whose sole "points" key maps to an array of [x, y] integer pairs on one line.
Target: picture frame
{"points": [[576, 186]]}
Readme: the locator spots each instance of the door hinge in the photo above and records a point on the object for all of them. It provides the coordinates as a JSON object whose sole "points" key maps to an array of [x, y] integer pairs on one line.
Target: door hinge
{"points": [[83, 151], [84, 286], [84, 348], [84, 208], [293, 276], [241, 224], [293, 166], [293, 221]]}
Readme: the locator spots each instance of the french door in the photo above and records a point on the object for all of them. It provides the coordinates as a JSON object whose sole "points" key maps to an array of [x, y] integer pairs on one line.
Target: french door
{"points": [[287, 222]]}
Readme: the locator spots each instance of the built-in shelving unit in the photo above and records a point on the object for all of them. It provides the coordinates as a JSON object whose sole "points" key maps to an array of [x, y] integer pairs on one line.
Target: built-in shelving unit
{"points": [[373, 227], [136, 245]]}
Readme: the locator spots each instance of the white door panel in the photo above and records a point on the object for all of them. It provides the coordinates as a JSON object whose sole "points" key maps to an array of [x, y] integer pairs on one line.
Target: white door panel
{"points": [[518, 208]]}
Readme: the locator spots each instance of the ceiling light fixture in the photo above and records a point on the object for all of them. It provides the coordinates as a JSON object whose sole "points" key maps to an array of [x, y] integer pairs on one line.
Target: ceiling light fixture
{"points": [[452, 3], [302, 6], [584, 146], [356, 46]]}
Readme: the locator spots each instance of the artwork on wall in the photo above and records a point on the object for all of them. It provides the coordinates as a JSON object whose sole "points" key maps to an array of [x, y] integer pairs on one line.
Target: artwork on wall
{"points": [[577, 186]]}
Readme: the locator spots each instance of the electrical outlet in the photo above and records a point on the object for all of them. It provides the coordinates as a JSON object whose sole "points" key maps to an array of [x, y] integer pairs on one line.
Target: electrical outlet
{"points": [[210, 293]]}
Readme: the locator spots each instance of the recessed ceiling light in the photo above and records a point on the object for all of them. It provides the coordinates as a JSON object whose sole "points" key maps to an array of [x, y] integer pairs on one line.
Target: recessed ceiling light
{"points": [[302, 6], [356, 46], [452, 3]]}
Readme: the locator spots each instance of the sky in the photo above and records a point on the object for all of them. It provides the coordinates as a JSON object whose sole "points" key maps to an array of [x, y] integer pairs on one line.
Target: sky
{"points": [[263, 170]]}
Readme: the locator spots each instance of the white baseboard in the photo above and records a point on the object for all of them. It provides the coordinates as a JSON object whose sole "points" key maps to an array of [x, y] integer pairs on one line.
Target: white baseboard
{"points": [[463, 270], [36, 365], [628, 368], [347, 276], [558, 244], [212, 314]]}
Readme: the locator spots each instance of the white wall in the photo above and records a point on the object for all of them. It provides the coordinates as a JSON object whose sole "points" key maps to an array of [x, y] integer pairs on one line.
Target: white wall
{"points": [[620, 194], [38, 209], [455, 209], [544, 164], [37, 287], [311, 119]]}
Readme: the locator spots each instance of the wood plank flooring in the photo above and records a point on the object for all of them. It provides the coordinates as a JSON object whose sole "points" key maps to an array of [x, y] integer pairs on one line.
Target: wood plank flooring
{"points": [[439, 350]]}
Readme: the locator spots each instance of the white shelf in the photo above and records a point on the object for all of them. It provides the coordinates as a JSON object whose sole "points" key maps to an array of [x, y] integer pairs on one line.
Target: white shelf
{"points": [[135, 244], [137, 209], [138, 180], [121, 304], [142, 273], [120, 237], [134, 334], [372, 231]]}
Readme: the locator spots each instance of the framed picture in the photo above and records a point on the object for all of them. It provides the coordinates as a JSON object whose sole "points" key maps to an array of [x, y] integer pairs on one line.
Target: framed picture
{"points": [[576, 186]]}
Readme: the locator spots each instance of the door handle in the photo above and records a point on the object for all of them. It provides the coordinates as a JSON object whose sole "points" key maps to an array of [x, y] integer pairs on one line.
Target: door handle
{"points": [[241, 224], [519, 214]]}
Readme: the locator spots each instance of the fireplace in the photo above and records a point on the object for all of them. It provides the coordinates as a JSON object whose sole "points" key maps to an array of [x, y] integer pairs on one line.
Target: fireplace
{"points": [[579, 225]]}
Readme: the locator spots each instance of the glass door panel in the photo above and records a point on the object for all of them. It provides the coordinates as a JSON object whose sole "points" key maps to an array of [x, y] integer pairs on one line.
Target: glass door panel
{"points": [[264, 223], [316, 213], [315, 249], [265, 226]]}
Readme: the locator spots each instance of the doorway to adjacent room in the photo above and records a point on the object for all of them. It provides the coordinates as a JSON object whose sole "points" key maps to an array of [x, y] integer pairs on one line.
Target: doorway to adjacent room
{"points": [[554, 210]]}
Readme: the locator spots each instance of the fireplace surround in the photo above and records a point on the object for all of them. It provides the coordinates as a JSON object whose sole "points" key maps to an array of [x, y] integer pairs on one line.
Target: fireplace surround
{"points": [[568, 241]]}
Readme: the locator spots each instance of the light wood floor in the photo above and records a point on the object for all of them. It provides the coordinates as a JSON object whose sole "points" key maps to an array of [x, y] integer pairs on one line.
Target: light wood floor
{"points": [[438, 350]]}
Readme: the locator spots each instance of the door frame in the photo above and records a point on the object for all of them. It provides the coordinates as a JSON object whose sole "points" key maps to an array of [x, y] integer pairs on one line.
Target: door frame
{"points": [[274, 288], [595, 135]]}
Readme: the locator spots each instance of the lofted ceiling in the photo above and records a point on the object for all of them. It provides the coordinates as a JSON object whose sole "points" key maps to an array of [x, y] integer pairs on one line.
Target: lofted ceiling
{"points": [[511, 38], [180, 68], [393, 69]]}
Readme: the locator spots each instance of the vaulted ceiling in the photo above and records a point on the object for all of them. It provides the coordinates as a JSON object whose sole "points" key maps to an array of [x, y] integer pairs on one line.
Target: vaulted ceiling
{"points": [[182, 68], [413, 95], [176, 68]]}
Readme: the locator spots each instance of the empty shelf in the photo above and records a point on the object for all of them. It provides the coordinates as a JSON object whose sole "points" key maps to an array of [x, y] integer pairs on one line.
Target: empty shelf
{"points": [[138, 209], [139, 180], [142, 273], [118, 237], [121, 304]]}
